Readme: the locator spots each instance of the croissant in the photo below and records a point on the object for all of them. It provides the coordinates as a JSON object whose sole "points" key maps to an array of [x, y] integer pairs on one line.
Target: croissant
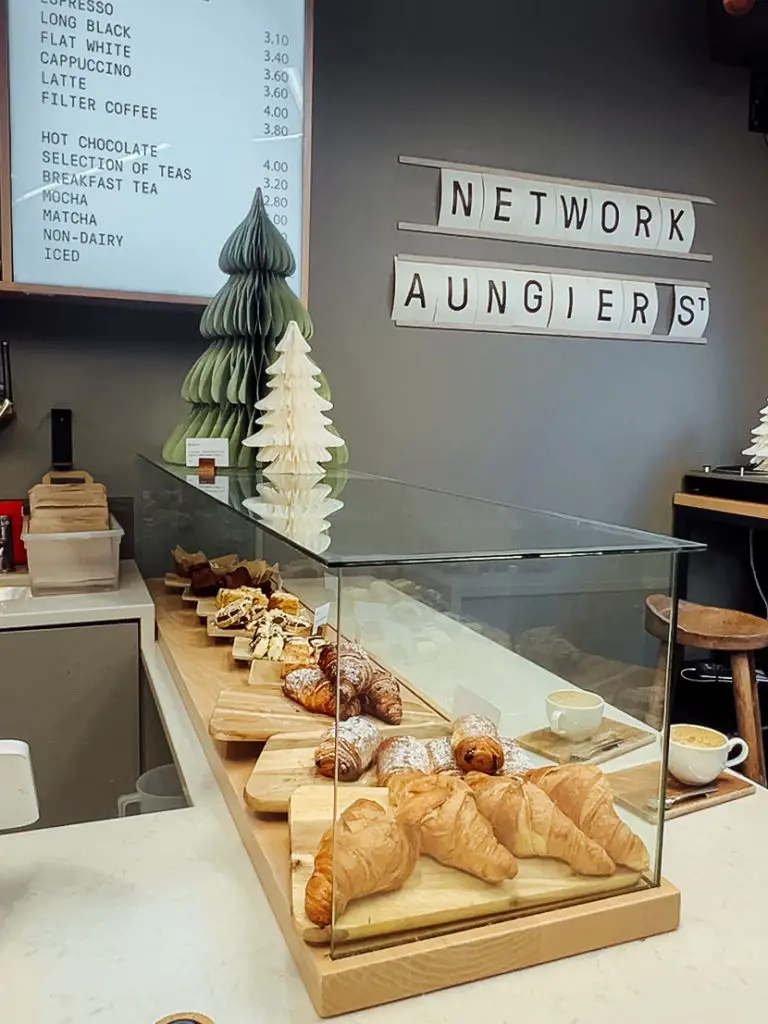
{"points": [[315, 692], [529, 824], [381, 697], [476, 746], [584, 794], [453, 830], [354, 748], [349, 660], [367, 852], [401, 755]]}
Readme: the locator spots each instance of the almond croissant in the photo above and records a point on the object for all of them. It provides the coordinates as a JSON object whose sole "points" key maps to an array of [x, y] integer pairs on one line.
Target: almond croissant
{"points": [[453, 830], [310, 688], [368, 852], [526, 821], [582, 791], [354, 745]]}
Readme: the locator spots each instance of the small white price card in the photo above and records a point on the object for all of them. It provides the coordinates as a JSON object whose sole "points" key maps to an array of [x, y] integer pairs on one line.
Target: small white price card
{"points": [[322, 614], [465, 702], [216, 448], [219, 489]]}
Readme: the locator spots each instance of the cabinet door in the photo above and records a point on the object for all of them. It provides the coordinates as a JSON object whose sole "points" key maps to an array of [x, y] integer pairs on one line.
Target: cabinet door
{"points": [[72, 694]]}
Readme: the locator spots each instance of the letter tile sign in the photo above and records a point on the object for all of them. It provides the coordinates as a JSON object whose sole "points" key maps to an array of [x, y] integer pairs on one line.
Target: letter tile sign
{"points": [[479, 202]]}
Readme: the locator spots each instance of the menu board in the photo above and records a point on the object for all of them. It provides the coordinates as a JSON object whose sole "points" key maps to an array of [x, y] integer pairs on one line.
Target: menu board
{"points": [[140, 130]]}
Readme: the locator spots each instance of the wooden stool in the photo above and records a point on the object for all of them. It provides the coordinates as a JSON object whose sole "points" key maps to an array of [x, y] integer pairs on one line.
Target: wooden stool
{"points": [[718, 629]]}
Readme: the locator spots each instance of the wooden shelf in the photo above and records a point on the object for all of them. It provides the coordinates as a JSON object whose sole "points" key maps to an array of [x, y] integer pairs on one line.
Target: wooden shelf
{"points": [[369, 977]]}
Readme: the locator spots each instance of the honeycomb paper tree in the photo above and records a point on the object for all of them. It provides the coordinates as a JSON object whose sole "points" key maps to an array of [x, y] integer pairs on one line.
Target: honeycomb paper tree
{"points": [[297, 507], [758, 450], [294, 435], [242, 322]]}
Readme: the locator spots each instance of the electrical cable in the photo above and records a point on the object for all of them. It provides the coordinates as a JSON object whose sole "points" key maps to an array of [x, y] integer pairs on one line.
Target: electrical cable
{"points": [[754, 570]]}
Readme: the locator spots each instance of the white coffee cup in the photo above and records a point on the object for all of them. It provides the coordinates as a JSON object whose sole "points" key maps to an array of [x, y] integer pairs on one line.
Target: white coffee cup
{"points": [[697, 755], [575, 714]]}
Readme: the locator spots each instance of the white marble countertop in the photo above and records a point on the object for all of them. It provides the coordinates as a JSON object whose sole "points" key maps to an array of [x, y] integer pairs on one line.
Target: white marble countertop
{"points": [[122, 922]]}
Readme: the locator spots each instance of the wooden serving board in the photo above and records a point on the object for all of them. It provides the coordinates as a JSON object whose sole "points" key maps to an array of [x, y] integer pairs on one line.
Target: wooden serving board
{"points": [[434, 894], [288, 761], [260, 710], [556, 748], [206, 606], [241, 649], [174, 582], [633, 787]]}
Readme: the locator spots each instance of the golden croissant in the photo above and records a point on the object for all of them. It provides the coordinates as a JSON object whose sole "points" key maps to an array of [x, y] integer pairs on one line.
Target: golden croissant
{"points": [[529, 824], [583, 792], [367, 852], [453, 831]]}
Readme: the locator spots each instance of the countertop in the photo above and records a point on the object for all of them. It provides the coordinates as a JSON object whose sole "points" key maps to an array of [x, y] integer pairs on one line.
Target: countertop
{"points": [[20, 610], [123, 922]]}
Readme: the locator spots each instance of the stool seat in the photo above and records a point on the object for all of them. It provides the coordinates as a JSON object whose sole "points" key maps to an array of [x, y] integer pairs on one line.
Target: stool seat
{"points": [[713, 629]]}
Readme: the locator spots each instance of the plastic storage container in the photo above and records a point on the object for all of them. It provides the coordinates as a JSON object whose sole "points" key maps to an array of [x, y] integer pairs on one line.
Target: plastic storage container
{"points": [[73, 563]]}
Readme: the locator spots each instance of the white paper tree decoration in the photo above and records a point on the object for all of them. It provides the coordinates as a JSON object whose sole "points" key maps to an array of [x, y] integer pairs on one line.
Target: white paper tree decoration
{"points": [[296, 507], [758, 450], [294, 435]]}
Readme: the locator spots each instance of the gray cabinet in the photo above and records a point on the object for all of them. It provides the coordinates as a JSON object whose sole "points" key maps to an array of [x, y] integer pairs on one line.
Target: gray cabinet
{"points": [[72, 693]]}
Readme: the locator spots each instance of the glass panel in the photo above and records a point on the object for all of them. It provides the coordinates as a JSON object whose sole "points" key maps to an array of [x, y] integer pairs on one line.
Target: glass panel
{"points": [[355, 519], [556, 655]]}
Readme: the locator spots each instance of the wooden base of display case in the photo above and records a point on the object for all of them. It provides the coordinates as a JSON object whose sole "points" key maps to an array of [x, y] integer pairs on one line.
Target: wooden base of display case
{"points": [[369, 977]]}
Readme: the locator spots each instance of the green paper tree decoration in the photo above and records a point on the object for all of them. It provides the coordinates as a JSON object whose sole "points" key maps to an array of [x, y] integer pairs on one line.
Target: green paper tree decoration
{"points": [[243, 324]]}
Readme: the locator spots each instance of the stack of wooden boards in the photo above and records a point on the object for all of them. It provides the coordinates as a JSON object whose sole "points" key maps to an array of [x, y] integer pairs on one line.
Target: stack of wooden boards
{"points": [[68, 502]]}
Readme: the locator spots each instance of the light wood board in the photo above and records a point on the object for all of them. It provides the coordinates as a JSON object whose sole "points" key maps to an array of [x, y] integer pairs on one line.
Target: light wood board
{"points": [[434, 894], [254, 713], [241, 649], [375, 976], [556, 748], [188, 596], [206, 606], [633, 787], [288, 761], [174, 582], [215, 633]]}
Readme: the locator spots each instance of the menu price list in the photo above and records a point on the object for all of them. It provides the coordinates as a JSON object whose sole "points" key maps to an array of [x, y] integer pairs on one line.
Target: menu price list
{"points": [[140, 132]]}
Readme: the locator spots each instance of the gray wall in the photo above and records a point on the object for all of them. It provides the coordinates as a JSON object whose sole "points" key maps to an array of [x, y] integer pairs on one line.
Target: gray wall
{"points": [[616, 92]]}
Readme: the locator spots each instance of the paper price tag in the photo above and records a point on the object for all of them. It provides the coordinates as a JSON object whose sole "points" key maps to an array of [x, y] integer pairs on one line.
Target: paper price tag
{"points": [[219, 489], [465, 702], [322, 614], [216, 448]]}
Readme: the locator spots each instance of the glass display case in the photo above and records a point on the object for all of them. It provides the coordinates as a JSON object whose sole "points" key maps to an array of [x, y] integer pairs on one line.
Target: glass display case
{"points": [[464, 719]]}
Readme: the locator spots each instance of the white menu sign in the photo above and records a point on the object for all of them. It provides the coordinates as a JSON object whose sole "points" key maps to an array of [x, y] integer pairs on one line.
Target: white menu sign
{"points": [[140, 132]]}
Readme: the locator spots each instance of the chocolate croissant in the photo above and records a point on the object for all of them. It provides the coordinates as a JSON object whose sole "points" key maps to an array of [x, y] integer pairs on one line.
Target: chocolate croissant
{"points": [[354, 747], [475, 744], [314, 691], [349, 661], [381, 697]]}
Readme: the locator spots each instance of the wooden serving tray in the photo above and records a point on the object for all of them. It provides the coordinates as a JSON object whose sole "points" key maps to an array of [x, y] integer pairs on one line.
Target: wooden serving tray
{"points": [[288, 762], [434, 894], [633, 787], [556, 748], [174, 582], [256, 712]]}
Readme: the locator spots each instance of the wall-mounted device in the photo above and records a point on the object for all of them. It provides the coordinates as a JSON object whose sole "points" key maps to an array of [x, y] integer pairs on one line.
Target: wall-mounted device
{"points": [[7, 411], [743, 42]]}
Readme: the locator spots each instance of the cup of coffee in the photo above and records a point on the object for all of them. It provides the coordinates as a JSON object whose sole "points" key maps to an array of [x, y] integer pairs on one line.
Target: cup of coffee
{"points": [[575, 714], [697, 755]]}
